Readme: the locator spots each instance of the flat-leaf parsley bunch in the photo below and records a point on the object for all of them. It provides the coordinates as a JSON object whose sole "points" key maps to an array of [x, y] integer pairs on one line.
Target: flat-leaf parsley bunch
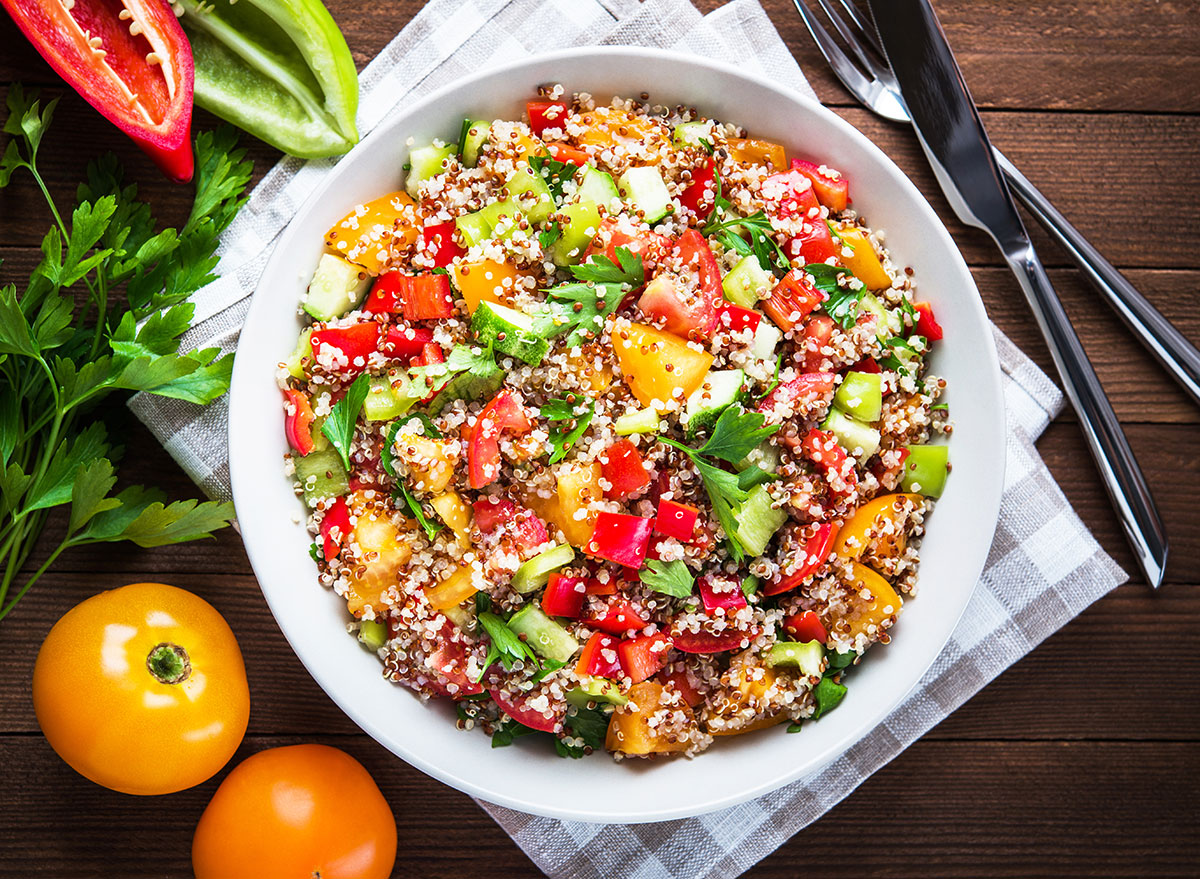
{"points": [[68, 340]]}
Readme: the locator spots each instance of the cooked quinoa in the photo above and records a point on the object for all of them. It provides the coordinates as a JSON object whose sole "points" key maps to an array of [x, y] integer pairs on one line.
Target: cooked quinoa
{"points": [[616, 425]]}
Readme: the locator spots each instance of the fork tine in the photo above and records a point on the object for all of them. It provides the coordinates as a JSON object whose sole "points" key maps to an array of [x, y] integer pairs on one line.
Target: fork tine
{"points": [[850, 75], [866, 28], [870, 64]]}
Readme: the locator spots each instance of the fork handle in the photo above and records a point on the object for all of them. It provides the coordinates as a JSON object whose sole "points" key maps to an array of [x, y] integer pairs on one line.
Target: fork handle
{"points": [[1168, 346], [1119, 469]]}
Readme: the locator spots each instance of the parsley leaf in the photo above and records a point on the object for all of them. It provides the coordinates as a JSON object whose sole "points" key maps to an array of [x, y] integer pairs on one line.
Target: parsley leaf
{"points": [[842, 303], [828, 696], [795, 727], [339, 426], [589, 724], [755, 475], [728, 229], [549, 666], [505, 646], [577, 415], [414, 507], [724, 493], [670, 578], [555, 173], [750, 585], [549, 235], [601, 269], [580, 310], [736, 434], [507, 730]]}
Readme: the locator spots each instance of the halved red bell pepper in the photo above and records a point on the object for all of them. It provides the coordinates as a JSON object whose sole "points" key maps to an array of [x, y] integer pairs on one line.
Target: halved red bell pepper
{"points": [[437, 242], [821, 447], [620, 538], [927, 326], [564, 152], [622, 467], [335, 527], [135, 68], [818, 330], [502, 415], [817, 543], [406, 342], [593, 661], [546, 114], [831, 188], [419, 297], [700, 195], [788, 398], [564, 596], [518, 710], [642, 658], [707, 642], [676, 520], [805, 626], [356, 343], [740, 318], [616, 617], [792, 300], [721, 592], [298, 419]]}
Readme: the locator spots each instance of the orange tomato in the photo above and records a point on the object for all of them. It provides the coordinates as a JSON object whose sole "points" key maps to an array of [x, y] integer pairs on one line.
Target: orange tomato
{"points": [[296, 812], [758, 152], [142, 689], [658, 366], [371, 233]]}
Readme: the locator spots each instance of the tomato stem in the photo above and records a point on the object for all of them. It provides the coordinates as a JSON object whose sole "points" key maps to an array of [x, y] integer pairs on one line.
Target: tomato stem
{"points": [[169, 663]]}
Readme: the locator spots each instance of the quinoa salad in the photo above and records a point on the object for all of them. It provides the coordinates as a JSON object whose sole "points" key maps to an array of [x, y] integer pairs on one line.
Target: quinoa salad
{"points": [[614, 428]]}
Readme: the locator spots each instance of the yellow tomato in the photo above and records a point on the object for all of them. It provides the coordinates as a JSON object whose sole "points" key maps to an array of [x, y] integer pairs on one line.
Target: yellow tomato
{"points": [[864, 263], [142, 689], [296, 812], [876, 530], [455, 589], [484, 281], [369, 234], [758, 152], [875, 603], [658, 366], [743, 685], [630, 732], [608, 127]]}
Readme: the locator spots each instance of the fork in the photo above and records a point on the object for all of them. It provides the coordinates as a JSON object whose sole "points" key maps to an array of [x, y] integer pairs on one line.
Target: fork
{"points": [[872, 82]]}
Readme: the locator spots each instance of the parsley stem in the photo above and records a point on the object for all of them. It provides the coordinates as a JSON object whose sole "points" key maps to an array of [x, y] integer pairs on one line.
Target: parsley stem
{"points": [[50, 559]]}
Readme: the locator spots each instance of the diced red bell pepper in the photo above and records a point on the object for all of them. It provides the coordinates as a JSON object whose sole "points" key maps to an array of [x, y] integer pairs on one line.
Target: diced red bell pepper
{"points": [[728, 598], [135, 68], [437, 242], [563, 152], [616, 617], [355, 343], [818, 330], [405, 343], [650, 246], [814, 243], [818, 543], [740, 318], [604, 583], [927, 326], [792, 300], [620, 538], [431, 353], [335, 527], [700, 195], [805, 627], [676, 520], [793, 396], [592, 660], [683, 683], [642, 658], [518, 709], [502, 415], [707, 642], [831, 188], [546, 114], [564, 596], [297, 421], [622, 467], [867, 364], [821, 447], [416, 297]]}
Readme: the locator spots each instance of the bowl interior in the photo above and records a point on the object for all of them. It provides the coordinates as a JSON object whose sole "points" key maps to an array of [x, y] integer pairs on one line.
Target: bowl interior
{"points": [[528, 776]]}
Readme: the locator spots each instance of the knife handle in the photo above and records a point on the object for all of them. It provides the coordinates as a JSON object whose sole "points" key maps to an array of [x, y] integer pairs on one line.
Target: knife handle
{"points": [[1119, 470], [1168, 346]]}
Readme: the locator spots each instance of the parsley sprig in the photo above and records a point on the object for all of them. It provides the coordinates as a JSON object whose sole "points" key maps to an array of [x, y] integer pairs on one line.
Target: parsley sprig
{"points": [[339, 426], [843, 300], [580, 310], [672, 578], [414, 507], [601, 269], [727, 227], [576, 414]]}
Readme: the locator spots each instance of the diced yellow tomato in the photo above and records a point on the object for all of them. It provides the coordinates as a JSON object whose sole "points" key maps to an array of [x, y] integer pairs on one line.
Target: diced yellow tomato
{"points": [[585, 362], [578, 487], [629, 730], [454, 511], [658, 366], [484, 281], [371, 233], [429, 461], [455, 589], [608, 127], [869, 613], [758, 152], [380, 555], [761, 723], [876, 529], [743, 685], [864, 263]]}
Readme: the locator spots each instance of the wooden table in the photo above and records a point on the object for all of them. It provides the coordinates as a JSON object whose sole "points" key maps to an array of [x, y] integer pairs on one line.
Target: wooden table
{"points": [[1083, 759]]}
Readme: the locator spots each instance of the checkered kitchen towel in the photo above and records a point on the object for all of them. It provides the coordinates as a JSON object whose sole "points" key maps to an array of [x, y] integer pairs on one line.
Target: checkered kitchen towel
{"points": [[1044, 566]]}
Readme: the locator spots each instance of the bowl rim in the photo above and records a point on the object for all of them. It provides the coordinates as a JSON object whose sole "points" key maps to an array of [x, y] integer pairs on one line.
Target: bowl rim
{"points": [[240, 427]]}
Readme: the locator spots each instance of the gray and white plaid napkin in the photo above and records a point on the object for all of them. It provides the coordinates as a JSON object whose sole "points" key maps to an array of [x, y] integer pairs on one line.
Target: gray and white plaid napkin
{"points": [[1044, 566]]}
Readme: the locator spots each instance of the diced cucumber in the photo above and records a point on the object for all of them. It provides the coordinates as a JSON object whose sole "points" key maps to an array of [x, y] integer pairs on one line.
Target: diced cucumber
{"points": [[546, 637], [337, 287], [302, 357], [471, 385], [757, 521], [808, 656], [861, 395], [718, 391], [908, 357], [462, 615], [321, 475], [505, 213], [531, 193], [766, 337], [639, 421], [644, 190], [580, 223], [475, 135], [925, 470], [510, 331], [535, 573], [766, 456], [372, 634], [887, 321], [691, 133], [595, 690], [860, 440], [474, 228], [596, 186], [384, 401], [744, 282], [426, 163], [319, 440]]}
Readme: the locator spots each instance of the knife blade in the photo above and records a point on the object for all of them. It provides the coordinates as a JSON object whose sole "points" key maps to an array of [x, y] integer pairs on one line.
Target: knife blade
{"points": [[957, 146]]}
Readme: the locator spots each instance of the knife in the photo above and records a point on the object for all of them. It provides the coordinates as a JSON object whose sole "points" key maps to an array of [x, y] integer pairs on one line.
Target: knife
{"points": [[954, 140]]}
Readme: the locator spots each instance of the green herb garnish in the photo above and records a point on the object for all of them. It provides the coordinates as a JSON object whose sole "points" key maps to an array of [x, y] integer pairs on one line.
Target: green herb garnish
{"points": [[828, 696], [670, 578], [577, 415], [602, 270], [842, 303], [555, 173], [579, 310], [414, 507], [339, 426]]}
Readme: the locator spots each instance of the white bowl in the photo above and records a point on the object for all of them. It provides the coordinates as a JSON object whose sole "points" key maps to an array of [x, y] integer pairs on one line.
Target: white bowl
{"points": [[529, 776]]}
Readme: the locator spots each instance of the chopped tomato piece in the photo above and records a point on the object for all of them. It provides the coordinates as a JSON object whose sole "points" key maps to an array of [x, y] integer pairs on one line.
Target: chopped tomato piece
{"points": [[406, 342], [419, 297], [518, 709], [562, 152], [692, 248], [594, 661], [815, 544], [790, 194], [821, 447], [335, 527], [491, 513], [564, 596], [927, 325], [792, 397], [450, 661], [298, 419], [431, 353], [684, 312], [707, 642], [805, 626], [700, 195], [546, 114], [522, 525], [620, 538], [683, 683], [437, 242], [818, 330], [503, 414], [739, 318], [355, 343], [792, 300], [650, 246], [831, 188], [644, 657], [867, 364], [617, 617], [676, 520], [621, 465], [721, 592]]}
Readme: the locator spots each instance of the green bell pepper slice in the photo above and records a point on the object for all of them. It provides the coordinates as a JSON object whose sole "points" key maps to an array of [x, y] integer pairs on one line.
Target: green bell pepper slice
{"points": [[279, 69]]}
